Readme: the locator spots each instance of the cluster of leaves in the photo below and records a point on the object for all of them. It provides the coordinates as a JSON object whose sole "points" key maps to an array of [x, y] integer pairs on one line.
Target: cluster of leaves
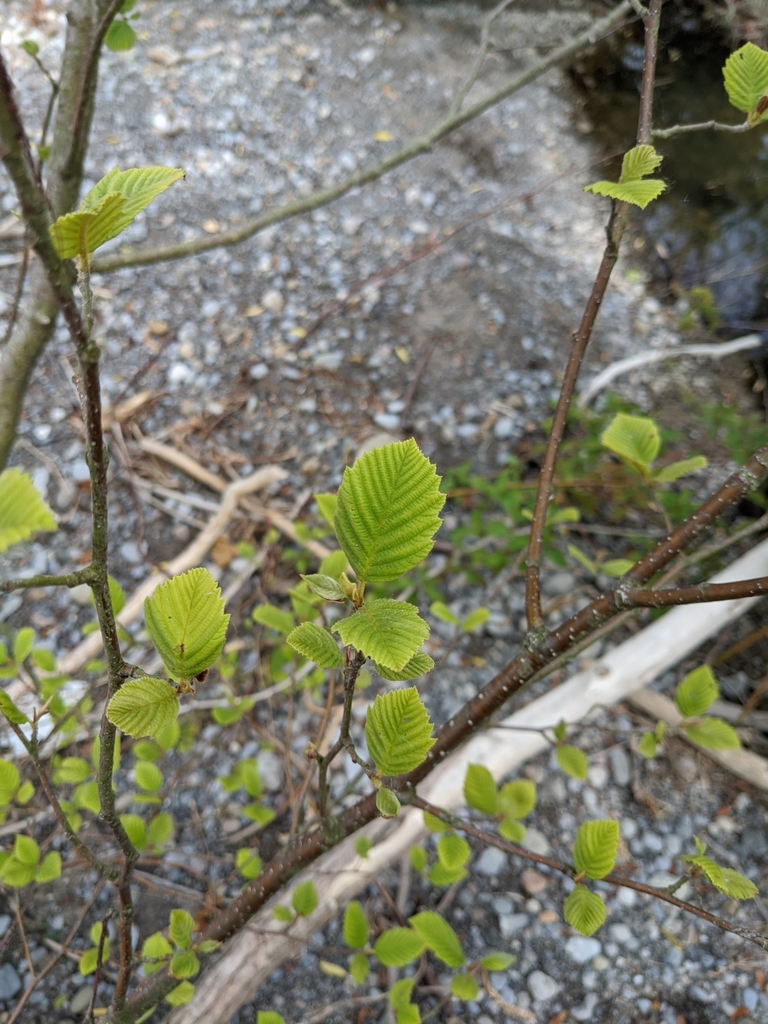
{"points": [[637, 442], [634, 186], [246, 776], [25, 864], [179, 953], [727, 881], [508, 804], [120, 34], [12, 789], [693, 696]]}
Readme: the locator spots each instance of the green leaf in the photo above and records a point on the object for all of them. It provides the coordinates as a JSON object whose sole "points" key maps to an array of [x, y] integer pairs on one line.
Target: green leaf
{"points": [[30, 47], [668, 474], [648, 745], [11, 712], [207, 946], [597, 843], [304, 898], [400, 993], [88, 961], [390, 632], [119, 37], [635, 439], [148, 776], [274, 618], [560, 729], [185, 618], [180, 928], [282, 913], [572, 761], [86, 796], [326, 504], [398, 731], [155, 947], [517, 799], [512, 830], [584, 910], [50, 867], [9, 778], [248, 862], [325, 586], [638, 193], [737, 886], [331, 969], [387, 803], [418, 665], [44, 659], [582, 559], [616, 566], [475, 619], [434, 824], [268, 1017], [73, 770], [24, 793], [116, 596], [362, 846], [441, 611], [453, 851], [160, 830], [639, 163], [418, 856], [143, 707], [745, 75], [317, 644], [181, 995], [136, 829], [497, 961], [439, 874], [16, 874], [355, 926], [464, 986], [359, 968], [696, 692], [439, 936], [184, 964], [23, 644], [22, 511], [409, 1014], [26, 850], [714, 734], [399, 946], [386, 512], [480, 789]]}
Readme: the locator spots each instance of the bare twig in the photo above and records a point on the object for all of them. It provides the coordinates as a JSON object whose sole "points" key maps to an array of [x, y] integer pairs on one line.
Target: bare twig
{"points": [[482, 53], [681, 129]]}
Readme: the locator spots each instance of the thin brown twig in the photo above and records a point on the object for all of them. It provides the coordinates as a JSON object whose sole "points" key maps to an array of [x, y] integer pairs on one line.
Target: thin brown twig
{"points": [[88, 1018]]}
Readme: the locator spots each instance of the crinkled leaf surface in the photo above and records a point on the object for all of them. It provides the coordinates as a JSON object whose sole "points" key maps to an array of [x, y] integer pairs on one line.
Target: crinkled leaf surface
{"points": [[120, 36], [453, 851], [138, 186], [638, 193], [143, 707], [596, 846], [324, 586], [399, 946], [745, 76], [317, 644], [22, 511], [696, 692], [639, 163], [439, 936], [398, 731], [11, 712], [185, 618], [668, 474], [480, 789], [584, 910], [573, 761], [386, 511], [418, 665], [387, 803], [355, 926], [635, 439], [714, 734], [389, 632], [517, 799]]}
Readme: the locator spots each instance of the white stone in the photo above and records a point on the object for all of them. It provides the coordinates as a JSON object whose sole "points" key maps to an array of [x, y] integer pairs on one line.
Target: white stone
{"points": [[270, 769], [541, 986], [620, 765], [258, 371], [581, 949], [273, 301], [511, 924], [598, 775], [536, 842], [491, 862]]}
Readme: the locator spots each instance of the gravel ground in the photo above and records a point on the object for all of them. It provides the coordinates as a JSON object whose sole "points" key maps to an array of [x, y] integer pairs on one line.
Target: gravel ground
{"points": [[232, 92]]}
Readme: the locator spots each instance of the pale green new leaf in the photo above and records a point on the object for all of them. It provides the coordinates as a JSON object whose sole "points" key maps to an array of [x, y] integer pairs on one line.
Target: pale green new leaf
{"points": [[269, 1017], [387, 803], [648, 745], [418, 665], [82, 232], [441, 611], [386, 511], [325, 586], [434, 824], [363, 846], [50, 868], [389, 632], [11, 712], [355, 926], [23, 644], [639, 163], [418, 856], [9, 778], [400, 993], [745, 76], [180, 928], [737, 886], [185, 618], [584, 910], [88, 961], [148, 776], [304, 898], [439, 874], [317, 644], [26, 850], [138, 186], [184, 964], [480, 789], [136, 829], [638, 193], [143, 707], [696, 692], [616, 566], [497, 961], [635, 439], [398, 731], [331, 969], [572, 761], [181, 995], [512, 830], [596, 846], [160, 830], [453, 851], [22, 511], [155, 947], [464, 986], [248, 863], [475, 619], [359, 968], [73, 770], [274, 618], [668, 474], [120, 36], [517, 799], [714, 734], [399, 946], [439, 937], [326, 504]]}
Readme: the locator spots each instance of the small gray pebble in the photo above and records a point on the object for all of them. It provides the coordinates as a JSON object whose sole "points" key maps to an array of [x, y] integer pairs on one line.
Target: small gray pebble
{"points": [[491, 862], [699, 994], [10, 982], [5, 921], [749, 998], [536, 842], [541, 986], [80, 1000], [582, 949], [511, 924], [620, 765]]}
